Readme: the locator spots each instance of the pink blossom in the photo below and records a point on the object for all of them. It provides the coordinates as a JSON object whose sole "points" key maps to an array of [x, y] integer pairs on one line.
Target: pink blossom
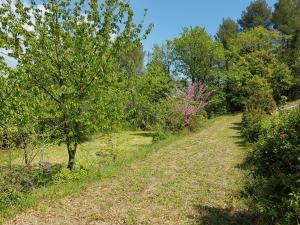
{"points": [[191, 101]]}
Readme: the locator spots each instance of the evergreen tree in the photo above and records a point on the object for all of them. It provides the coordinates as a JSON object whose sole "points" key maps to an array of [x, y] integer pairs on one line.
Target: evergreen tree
{"points": [[258, 13], [286, 16], [227, 30]]}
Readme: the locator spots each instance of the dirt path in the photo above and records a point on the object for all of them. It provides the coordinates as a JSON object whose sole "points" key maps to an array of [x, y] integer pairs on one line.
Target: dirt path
{"points": [[196, 180]]}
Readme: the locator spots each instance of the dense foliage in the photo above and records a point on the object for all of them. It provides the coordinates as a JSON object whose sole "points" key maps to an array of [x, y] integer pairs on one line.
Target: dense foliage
{"points": [[258, 13], [228, 30], [68, 61], [276, 169], [196, 55]]}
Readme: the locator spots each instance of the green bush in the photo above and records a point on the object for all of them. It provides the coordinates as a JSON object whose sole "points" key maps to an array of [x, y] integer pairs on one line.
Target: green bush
{"points": [[263, 101], [9, 137], [168, 116], [198, 121], [9, 196], [149, 91], [65, 175], [259, 106], [276, 171], [217, 105], [251, 124], [19, 182]]}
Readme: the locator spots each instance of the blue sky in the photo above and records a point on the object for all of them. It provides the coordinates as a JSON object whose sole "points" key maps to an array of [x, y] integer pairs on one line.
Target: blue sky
{"points": [[169, 16]]}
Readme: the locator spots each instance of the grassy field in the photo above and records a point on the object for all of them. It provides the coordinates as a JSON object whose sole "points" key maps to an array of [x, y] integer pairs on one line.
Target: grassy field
{"points": [[196, 179], [103, 155], [96, 150]]}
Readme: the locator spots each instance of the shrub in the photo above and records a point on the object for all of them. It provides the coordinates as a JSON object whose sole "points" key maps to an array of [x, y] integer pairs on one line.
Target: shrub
{"points": [[263, 101], [217, 105], [259, 106], [149, 91], [18, 182], [276, 161], [190, 102], [168, 117], [198, 121], [65, 175], [251, 124]]}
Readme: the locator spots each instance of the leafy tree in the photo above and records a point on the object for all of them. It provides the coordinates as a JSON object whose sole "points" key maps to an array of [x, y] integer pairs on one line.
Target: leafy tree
{"points": [[5, 99], [227, 30], [149, 90], [256, 51], [234, 82], [68, 53], [162, 54], [4, 93], [196, 55], [260, 93], [18, 118], [286, 19], [258, 13], [133, 60], [256, 39]]}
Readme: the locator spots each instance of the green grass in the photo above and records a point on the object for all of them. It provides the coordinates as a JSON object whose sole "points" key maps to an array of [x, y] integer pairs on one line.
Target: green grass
{"points": [[105, 156], [191, 179], [117, 143]]}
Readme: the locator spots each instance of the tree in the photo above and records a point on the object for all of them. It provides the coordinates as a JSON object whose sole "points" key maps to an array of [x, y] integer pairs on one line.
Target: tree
{"points": [[196, 55], [286, 16], [132, 62], [18, 118], [256, 52], [162, 54], [5, 99], [258, 13], [191, 101], [227, 30], [286, 19], [149, 89], [68, 53]]}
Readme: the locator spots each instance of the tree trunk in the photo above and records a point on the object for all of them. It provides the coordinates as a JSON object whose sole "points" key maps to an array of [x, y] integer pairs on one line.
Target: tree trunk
{"points": [[26, 156], [72, 148], [26, 151]]}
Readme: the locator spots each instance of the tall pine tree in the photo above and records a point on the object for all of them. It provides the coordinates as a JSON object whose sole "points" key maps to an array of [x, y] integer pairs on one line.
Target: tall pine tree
{"points": [[258, 13]]}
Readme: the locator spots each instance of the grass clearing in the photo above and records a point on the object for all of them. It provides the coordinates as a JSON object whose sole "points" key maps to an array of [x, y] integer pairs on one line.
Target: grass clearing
{"points": [[197, 179], [105, 156]]}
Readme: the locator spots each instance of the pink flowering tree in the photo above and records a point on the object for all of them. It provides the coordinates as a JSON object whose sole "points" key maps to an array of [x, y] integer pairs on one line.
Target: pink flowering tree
{"points": [[191, 101]]}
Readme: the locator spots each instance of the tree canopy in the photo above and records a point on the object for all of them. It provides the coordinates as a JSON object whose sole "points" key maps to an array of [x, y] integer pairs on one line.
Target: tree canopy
{"points": [[286, 16], [197, 55], [67, 54], [258, 13], [227, 30]]}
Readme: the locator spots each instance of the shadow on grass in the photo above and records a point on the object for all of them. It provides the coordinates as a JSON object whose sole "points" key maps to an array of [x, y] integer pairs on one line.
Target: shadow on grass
{"points": [[216, 216], [208, 215], [236, 126], [240, 141]]}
